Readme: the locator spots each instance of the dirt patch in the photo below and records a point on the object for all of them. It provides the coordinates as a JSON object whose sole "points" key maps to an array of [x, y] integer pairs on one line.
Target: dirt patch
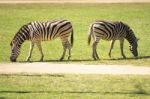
{"points": [[48, 68]]}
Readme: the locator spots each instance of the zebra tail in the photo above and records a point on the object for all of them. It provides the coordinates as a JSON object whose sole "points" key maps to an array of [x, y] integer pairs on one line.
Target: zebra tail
{"points": [[90, 33], [72, 38]]}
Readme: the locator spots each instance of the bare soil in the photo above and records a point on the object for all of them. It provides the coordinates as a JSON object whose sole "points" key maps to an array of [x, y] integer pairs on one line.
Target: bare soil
{"points": [[49, 68]]}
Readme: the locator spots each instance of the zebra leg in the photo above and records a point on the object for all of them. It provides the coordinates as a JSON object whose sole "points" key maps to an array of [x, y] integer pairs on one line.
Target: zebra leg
{"points": [[121, 47], [111, 47], [95, 55], [30, 51], [40, 49], [64, 52], [69, 49]]}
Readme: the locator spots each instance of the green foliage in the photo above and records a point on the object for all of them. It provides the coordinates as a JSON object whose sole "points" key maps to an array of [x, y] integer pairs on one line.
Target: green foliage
{"points": [[58, 86], [13, 16]]}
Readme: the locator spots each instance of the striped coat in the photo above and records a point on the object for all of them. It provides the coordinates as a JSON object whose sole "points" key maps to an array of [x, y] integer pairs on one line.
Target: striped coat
{"points": [[112, 31], [38, 31]]}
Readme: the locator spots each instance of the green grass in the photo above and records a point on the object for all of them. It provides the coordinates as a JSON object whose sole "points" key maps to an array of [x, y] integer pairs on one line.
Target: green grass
{"points": [[13, 16], [74, 86]]}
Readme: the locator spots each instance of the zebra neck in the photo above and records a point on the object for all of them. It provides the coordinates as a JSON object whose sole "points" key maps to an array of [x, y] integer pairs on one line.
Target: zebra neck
{"points": [[131, 38], [19, 38]]}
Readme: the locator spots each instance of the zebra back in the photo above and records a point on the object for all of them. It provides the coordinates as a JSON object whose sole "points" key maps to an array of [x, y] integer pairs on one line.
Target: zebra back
{"points": [[51, 29], [111, 30]]}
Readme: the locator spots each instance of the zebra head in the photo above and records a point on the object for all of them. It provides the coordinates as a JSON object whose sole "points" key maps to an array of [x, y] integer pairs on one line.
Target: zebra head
{"points": [[132, 40], [15, 50], [133, 48]]}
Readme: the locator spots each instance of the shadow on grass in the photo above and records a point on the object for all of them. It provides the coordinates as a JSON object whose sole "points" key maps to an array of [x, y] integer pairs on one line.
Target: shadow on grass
{"points": [[88, 60], [2, 98], [131, 58], [138, 90], [75, 92], [36, 75], [75, 60]]}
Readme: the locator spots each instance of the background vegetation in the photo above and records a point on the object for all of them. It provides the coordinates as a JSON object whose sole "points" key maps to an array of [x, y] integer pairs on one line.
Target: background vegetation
{"points": [[13, 16]]}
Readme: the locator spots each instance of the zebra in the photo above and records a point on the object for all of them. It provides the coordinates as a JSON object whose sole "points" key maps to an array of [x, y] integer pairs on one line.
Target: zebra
{"points": [[38, 31], [112, 31]]}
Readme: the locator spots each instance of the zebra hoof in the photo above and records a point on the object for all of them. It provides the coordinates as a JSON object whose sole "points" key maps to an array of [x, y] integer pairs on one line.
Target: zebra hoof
{"points": [[28, 59], [69, 57], [109, 56], [124, 57], [41, 60], [94, 58], [98, 58], [61, 59]]}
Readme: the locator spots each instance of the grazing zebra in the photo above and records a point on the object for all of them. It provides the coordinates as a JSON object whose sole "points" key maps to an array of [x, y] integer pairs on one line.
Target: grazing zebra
{"points": [[108, 30], [42, 31]]}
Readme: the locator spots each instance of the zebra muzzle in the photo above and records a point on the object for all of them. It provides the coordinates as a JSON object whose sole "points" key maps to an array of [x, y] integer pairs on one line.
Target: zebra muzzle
{"points": [[12, 59]]}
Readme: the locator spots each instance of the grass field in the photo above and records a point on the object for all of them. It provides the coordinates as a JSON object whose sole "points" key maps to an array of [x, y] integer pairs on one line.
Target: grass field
{"points": [[13, 16], [74, 86]]}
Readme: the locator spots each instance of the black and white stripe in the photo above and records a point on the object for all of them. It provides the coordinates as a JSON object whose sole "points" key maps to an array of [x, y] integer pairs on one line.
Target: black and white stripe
{"points": [[38, 31], [112, 31]]}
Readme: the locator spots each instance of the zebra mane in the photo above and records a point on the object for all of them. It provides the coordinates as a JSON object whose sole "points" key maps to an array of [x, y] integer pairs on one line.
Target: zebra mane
{"points": [[17, 38], [131, 36]]}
